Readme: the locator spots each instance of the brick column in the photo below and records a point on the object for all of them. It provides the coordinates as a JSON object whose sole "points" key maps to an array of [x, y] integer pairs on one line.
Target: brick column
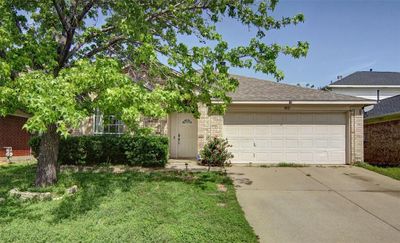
{"points": [[208, 125], [357, 135]]}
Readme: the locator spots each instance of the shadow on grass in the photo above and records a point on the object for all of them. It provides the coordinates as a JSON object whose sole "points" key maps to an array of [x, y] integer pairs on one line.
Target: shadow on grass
{"points": [[93, 189]]}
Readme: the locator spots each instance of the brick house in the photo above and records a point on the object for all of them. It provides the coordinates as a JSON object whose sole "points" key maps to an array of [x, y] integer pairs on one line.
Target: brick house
{"points": [[13, 135], [267, 122], [382, 132]]}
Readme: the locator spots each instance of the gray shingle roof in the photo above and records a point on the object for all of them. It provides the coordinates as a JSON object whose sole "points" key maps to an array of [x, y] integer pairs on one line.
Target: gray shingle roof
{"points": [[370, 78], [385, 107], [252, 89]]}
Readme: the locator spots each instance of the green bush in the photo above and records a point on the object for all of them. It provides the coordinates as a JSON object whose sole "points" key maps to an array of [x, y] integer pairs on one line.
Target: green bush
{"points": [[215, 152], [148, 151]]}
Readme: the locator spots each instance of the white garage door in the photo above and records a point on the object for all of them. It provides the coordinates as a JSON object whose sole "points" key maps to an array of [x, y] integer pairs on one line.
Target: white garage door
{"points": [[310, 138]]}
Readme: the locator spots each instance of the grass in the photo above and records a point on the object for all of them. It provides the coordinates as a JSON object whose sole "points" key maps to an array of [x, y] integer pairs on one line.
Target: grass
{"points": [[393, 172], [125, 207]]}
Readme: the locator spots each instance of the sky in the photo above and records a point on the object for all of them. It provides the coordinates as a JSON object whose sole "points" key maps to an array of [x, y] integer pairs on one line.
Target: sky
{"points": [[345, 36]]}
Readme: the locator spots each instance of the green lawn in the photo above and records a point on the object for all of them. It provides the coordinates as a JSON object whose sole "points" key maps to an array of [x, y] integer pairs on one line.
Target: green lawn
{"points": [[126, 207], [393, 172]]}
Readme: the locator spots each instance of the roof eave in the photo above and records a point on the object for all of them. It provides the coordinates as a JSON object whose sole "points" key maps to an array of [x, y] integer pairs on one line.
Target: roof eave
{"points": [[362, 86], [299, 102]]}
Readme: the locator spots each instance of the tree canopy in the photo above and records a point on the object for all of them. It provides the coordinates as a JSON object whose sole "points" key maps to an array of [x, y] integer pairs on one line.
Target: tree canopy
{"points": [[62, 59]]}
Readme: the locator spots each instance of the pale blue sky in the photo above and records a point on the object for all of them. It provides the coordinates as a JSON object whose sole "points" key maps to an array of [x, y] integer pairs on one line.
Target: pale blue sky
{"points": [[344, 35]]}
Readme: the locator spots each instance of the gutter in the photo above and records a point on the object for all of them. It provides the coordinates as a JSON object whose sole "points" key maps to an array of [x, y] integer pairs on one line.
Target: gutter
{"points": [[362, 86], [290, 102]]}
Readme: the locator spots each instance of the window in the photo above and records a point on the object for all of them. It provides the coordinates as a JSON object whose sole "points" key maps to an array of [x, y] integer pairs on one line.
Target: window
{"points": [[107, 124]]}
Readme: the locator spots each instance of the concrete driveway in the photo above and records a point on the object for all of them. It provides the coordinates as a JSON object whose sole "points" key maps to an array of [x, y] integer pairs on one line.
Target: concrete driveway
{"points": [[319, 204]]}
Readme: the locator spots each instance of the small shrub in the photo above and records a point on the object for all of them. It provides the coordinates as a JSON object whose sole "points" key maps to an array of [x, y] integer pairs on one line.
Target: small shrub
{"points": [[148, 151], [215, 152]]}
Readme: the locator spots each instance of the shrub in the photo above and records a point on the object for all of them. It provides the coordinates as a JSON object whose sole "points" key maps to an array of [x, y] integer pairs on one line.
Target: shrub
{"points": [[148, 151], [215, 152]]}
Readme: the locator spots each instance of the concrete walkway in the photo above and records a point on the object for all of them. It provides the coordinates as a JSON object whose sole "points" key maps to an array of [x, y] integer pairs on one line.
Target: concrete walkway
{"points": [[319, 204]]}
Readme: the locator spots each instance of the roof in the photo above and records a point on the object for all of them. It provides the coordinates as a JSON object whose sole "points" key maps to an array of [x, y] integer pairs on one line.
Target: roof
{"points": [[252, 90], [370, 78], [385, 107]]}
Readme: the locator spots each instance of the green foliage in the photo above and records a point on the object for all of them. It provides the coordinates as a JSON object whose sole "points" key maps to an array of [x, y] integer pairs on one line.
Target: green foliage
{"points": [[125, 207], [59, 65], [215, 152], [393, 171], [147, 151]]}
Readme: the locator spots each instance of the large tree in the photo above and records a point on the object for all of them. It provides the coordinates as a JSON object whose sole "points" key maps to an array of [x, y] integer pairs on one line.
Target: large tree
{"points": [[62, 59]]}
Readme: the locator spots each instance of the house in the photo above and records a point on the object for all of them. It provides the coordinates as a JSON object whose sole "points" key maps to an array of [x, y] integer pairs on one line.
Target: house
{"points": [[270, 122], [369, 85], [382, 132], [13, 135]]}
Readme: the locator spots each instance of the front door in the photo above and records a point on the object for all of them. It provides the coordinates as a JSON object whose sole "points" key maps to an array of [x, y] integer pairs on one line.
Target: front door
{"points": [[183, 135]]}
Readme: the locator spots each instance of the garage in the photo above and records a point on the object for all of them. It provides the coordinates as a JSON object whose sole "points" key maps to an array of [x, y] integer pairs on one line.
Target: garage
{"points": [[268, 137]]}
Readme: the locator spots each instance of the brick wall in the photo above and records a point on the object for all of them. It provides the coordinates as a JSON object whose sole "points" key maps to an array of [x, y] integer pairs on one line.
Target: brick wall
{"points": [[356, 135], [208, 125], [12, 135], [382, 143], [159, 125]]}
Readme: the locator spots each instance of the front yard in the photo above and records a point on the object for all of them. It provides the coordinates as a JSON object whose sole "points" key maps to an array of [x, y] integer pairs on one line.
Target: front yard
{"points": [[124, 207], [393, 172]]}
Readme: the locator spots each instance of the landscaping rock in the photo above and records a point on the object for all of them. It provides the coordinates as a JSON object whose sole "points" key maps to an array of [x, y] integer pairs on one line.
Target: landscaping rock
{"points": [[222, 188], [30, 195], [72, 190], [2, 200]]}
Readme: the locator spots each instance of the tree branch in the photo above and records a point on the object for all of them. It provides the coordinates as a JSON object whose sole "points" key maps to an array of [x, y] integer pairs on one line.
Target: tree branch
{"points": [[61, 16], [104, 47], [176, 9], [85, 10], [88, 39]]}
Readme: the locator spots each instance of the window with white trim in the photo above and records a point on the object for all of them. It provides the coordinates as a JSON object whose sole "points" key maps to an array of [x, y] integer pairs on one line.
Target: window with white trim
{"points": [[107, 124]]}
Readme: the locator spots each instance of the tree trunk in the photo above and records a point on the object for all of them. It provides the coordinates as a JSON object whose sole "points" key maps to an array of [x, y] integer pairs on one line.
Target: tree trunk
{"points": [[46, 172]]}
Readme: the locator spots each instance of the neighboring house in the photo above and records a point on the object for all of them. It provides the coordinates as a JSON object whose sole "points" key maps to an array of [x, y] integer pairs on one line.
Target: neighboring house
{"points": [[382, 132], [270, 122], [13, 135], [370, 85]]}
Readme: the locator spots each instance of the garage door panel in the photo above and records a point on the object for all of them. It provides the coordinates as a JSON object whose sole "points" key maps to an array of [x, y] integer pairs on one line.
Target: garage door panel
{"points": [[306, 130], [336, 156], [262, 131], [270, 157], [291, 130], [277, 130], [262, 144], [306, 157], [277, 143], [243, 156], [336, 130], [287, 137], [292, 143], [321, 157], [306, 144], [336, 143], [242, 144]]}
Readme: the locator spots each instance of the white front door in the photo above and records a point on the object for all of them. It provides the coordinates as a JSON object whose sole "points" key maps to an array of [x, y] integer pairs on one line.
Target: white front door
{"points": [[183, 135]]}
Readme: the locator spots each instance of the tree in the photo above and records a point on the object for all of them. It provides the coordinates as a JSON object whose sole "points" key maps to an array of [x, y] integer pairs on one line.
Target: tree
{"points": [[62, 59]]}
